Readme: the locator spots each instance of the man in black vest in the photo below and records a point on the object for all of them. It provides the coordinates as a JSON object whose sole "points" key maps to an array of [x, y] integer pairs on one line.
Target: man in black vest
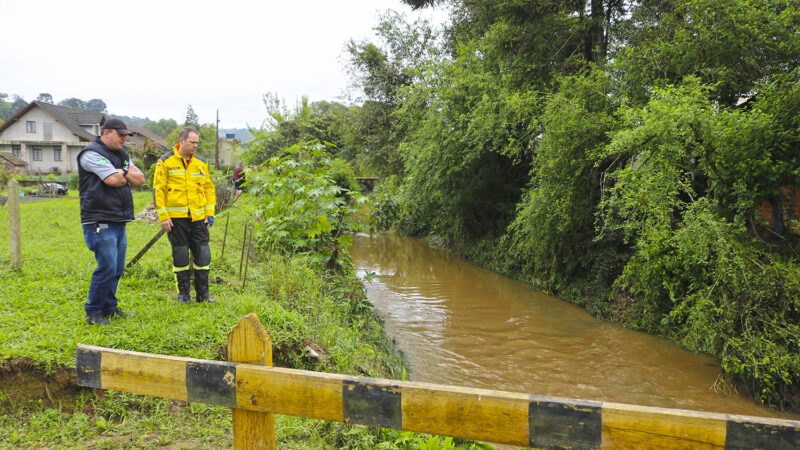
{"points": [[105, 176]]}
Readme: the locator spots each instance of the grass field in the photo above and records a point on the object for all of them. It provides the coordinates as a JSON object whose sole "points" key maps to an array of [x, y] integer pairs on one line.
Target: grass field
{"points": [[42, 320]]}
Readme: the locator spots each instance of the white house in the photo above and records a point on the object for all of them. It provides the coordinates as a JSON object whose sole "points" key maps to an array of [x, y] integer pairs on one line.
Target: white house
{"points": [[48, 137]]}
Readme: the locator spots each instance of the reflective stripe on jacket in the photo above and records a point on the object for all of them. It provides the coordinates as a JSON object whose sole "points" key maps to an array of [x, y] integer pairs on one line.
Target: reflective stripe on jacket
{"points": [[183, 190]]}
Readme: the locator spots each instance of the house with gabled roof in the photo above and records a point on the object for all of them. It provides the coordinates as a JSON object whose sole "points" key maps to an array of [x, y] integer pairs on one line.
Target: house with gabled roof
{"points": [[49, 137]]}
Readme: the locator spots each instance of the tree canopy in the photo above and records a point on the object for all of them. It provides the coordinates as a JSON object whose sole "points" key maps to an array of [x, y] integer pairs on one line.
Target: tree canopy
{"points": [[621, 154]]}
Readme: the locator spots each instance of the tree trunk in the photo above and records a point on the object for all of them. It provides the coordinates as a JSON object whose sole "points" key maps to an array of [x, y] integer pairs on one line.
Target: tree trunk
{"points": [[598, 20], [777, 215]]}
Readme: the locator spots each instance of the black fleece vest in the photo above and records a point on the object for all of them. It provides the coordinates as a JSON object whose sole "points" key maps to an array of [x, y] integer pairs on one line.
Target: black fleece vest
{"points": [[100, 202]]}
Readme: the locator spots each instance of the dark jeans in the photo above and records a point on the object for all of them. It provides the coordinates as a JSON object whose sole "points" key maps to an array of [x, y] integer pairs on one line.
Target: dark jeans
{"points": [[108, 242]]}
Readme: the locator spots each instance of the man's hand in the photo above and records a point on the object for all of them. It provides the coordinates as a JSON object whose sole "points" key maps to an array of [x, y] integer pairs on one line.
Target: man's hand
{"points": [[209, 221], [135, 176], [166, 225]]}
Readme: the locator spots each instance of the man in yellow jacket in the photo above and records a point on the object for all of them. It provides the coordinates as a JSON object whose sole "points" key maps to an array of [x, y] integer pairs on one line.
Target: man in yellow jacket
{"points": [[185, 201]]}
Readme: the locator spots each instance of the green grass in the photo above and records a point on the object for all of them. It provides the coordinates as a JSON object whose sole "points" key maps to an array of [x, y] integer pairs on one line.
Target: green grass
{"points": [[42, 320]]}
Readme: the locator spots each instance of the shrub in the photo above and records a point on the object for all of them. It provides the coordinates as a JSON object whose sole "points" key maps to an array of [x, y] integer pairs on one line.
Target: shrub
{"points": [[302, 208]]}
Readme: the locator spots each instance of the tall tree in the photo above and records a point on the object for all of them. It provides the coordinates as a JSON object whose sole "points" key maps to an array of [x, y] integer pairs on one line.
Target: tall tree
{"points": [[380, 72], [45, 97], [419, 4], [732, 44], [191, 119], [95, 105], [163, 127], [74, 103]]}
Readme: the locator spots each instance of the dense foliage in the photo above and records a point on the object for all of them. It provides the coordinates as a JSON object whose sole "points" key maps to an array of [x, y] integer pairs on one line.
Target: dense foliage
{"points": [[307, 204], [641, 158]]}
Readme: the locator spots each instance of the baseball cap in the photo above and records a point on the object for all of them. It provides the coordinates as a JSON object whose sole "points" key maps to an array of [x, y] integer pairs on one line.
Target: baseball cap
{"points": [[112, 123]]}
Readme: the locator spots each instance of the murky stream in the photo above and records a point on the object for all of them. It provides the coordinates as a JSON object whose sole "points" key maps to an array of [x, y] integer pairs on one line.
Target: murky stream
{"points": [[462, 325]]}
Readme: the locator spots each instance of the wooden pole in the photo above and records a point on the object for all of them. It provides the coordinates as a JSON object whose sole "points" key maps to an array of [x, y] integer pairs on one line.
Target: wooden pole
{"points": [[247, 257], [145, 248], [225, 237], [249, 343], [244, 243], [14, 228]]}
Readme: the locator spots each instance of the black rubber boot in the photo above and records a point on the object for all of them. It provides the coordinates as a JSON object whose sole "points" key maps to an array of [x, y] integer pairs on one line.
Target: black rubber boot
{"points": [[96, 319], [201, 286], [184, 286]]}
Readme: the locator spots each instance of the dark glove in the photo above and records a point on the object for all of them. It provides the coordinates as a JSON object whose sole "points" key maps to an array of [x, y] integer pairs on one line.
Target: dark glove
{"points": [[210, 221]]}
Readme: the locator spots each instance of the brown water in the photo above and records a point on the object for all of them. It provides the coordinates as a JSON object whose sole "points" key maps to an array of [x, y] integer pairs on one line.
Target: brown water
{"points": [[459, 324]]}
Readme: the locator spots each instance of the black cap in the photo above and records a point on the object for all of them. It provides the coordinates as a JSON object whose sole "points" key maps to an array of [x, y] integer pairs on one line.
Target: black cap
{"points": [[112, 123]]}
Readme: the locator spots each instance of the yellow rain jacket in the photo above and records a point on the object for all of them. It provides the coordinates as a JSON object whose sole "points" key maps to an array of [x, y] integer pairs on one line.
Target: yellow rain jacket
{"points": [[183, 190]]}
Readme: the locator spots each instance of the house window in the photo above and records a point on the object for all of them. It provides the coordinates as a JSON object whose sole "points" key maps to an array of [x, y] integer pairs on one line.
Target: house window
{"points": [[57, 153], [30, 126], [16, 149], [36, 152], [47, 129]]}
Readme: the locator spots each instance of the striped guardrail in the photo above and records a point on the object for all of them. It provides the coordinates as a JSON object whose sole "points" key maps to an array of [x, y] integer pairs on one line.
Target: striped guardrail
{"points": [[480, 414]]}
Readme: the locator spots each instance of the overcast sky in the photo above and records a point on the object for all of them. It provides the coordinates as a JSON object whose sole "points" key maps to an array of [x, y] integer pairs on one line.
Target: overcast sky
{"points": [[153, 58]]}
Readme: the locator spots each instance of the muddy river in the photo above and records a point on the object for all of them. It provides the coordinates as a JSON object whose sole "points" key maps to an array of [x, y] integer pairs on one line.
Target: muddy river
{"points": [[459, 324]]}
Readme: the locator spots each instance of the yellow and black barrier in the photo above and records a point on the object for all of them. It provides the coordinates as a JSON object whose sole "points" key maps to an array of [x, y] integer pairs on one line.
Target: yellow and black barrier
{"points": [[481, 414]]}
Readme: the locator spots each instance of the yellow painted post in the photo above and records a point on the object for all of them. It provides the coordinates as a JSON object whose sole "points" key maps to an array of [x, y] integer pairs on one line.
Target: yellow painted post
{"points": [[14, 228], [249, 343]]}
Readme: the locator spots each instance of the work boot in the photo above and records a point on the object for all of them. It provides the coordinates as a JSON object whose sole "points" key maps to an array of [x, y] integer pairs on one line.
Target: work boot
{"points": [[201, 286], [119, 313], [184, 286], [96, 319]]}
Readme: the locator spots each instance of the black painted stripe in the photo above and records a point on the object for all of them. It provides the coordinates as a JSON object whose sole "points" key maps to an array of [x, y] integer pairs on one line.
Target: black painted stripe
{"points": [[87, 365], [365, 403], [564, 423], [743, 434], [211, 382]]}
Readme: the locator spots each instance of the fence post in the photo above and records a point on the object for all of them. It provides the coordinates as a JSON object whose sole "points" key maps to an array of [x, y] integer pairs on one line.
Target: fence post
{"points": [[249, 343], [14, 228]]}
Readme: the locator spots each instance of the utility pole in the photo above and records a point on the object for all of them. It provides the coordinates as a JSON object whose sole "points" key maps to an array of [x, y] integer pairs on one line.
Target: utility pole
{"points": [[216, 148]]}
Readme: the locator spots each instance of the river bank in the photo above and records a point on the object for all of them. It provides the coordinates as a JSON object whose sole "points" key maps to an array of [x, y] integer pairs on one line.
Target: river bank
{"points": [[42, 320]]}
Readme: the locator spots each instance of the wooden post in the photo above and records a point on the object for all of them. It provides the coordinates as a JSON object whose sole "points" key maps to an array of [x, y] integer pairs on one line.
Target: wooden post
{"points": [[14, 228], [224, 237], [145, 248], [249, 343]]}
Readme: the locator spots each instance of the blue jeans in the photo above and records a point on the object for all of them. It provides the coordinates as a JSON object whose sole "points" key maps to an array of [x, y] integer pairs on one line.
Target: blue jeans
{"points": [[108, 242]]}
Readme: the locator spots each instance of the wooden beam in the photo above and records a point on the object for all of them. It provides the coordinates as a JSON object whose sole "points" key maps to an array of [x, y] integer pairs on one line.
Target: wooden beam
{"points": [[482, 414]]}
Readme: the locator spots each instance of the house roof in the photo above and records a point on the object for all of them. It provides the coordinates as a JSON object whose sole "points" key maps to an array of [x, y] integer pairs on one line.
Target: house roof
{"points": [[70, 118], [73, 118], [147, 134], [141, 136], [15, 160]]}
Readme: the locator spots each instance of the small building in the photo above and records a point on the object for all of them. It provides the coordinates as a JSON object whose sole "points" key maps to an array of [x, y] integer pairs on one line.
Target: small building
{"points": [[230, 152]]}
